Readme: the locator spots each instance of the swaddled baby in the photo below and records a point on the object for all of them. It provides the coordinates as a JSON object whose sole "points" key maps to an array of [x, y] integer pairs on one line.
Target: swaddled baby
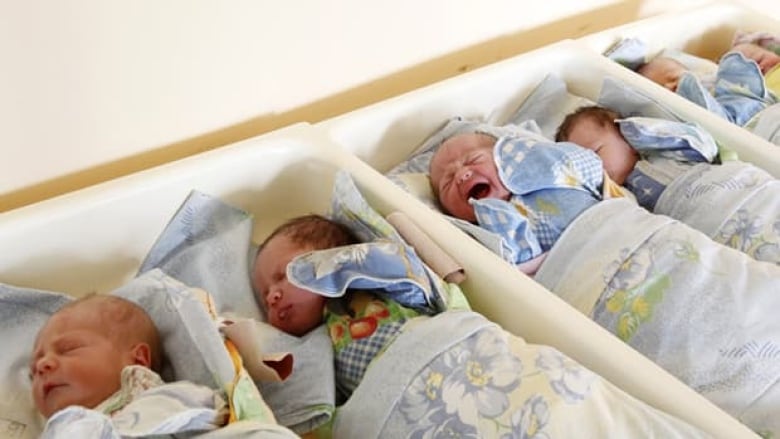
{"points": [[361, 324], [94, 362]]}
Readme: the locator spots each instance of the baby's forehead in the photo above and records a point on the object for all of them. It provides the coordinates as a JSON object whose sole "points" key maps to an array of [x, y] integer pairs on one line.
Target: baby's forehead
{"points": [[464, 142], [591, 122], [63, 322], [664, 62]]}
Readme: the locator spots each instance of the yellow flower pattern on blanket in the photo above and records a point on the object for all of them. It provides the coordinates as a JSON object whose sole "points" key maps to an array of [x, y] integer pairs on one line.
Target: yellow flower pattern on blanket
{"points": [[635, 305], [489, 385], [634, 287]]}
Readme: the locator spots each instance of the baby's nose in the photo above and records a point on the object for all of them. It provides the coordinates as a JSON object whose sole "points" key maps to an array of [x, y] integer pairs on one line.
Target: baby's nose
{"points": [[464, 176], [273, 297], [44, 364]]}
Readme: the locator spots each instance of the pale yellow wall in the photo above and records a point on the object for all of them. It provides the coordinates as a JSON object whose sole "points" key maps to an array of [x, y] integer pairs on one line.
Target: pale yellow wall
{"points": [[95, 89]]}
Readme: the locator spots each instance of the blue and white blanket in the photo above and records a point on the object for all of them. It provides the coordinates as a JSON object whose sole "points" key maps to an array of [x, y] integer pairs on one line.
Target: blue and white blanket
{"points": [[170, 417], [550, 183], [701, 310], [470, 378], [736, 204], [739, 93], [734, 89]]}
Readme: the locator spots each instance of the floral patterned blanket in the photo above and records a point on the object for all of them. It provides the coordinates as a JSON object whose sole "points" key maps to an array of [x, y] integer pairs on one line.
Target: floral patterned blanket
{"points": [[736, 204], [703, 311], [457, 373]]}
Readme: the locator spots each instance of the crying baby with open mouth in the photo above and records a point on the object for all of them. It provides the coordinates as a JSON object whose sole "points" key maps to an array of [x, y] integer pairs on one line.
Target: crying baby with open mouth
{"points": [[463, 168]]}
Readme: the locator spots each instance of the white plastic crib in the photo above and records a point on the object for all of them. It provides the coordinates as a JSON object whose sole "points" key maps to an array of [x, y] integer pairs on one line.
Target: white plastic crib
{"points": [[94, 240], [384, 134], [705, 31]]}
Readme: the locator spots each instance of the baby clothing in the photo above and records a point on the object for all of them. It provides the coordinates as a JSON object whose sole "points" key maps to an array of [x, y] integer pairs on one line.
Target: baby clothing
{"points": [[551, 184], [361, 326], [144, 405], [135, 380], [667, 150]]}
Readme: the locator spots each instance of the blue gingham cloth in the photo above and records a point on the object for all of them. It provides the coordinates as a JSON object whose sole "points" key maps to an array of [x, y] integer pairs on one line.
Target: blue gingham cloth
{"points": [[353, 360], [551, 184]]}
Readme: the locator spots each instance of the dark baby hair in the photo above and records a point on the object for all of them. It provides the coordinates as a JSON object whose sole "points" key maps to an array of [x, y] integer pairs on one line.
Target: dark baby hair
{"points": [[600, 115], [316, 231]]}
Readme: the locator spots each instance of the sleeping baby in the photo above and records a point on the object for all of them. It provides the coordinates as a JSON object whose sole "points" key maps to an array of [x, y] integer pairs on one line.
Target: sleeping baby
{"points": [[741, 88], [368, 319], [95, 364], [645, 163]]}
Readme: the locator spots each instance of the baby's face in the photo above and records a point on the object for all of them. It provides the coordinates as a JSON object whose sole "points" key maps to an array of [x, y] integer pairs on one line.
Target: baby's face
{"points": [[75, 362], [618, 157], [664, 71], [765, 59], [294, 310], [463, 168]]}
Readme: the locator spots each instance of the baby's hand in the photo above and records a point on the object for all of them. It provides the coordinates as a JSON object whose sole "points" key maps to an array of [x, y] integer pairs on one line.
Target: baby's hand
{"points": [[765, 59]]}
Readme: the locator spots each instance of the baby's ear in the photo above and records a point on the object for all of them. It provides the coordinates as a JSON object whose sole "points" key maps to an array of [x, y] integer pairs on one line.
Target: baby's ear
{"points": [[141, 355]]}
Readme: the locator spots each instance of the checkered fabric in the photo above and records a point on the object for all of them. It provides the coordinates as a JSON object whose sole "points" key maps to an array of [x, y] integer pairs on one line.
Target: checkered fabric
{"points": [[353, 360], [551, 184]]}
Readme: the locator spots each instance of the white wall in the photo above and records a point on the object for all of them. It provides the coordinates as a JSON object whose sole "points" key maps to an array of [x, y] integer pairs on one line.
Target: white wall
{"points": [[94, 89]]}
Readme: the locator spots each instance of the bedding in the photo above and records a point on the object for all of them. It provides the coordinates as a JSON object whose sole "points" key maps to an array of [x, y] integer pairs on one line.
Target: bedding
{"points": [[205, 246], [456, 372], [208, 243], [702, 311], [566, 398], [735, 204], [468, 377], [547, 104], [739, 93], [77, 422]]}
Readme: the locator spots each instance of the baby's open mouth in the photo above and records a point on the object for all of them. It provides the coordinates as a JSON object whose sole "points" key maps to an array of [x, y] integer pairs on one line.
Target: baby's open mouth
{"points": [[479, 191]]}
